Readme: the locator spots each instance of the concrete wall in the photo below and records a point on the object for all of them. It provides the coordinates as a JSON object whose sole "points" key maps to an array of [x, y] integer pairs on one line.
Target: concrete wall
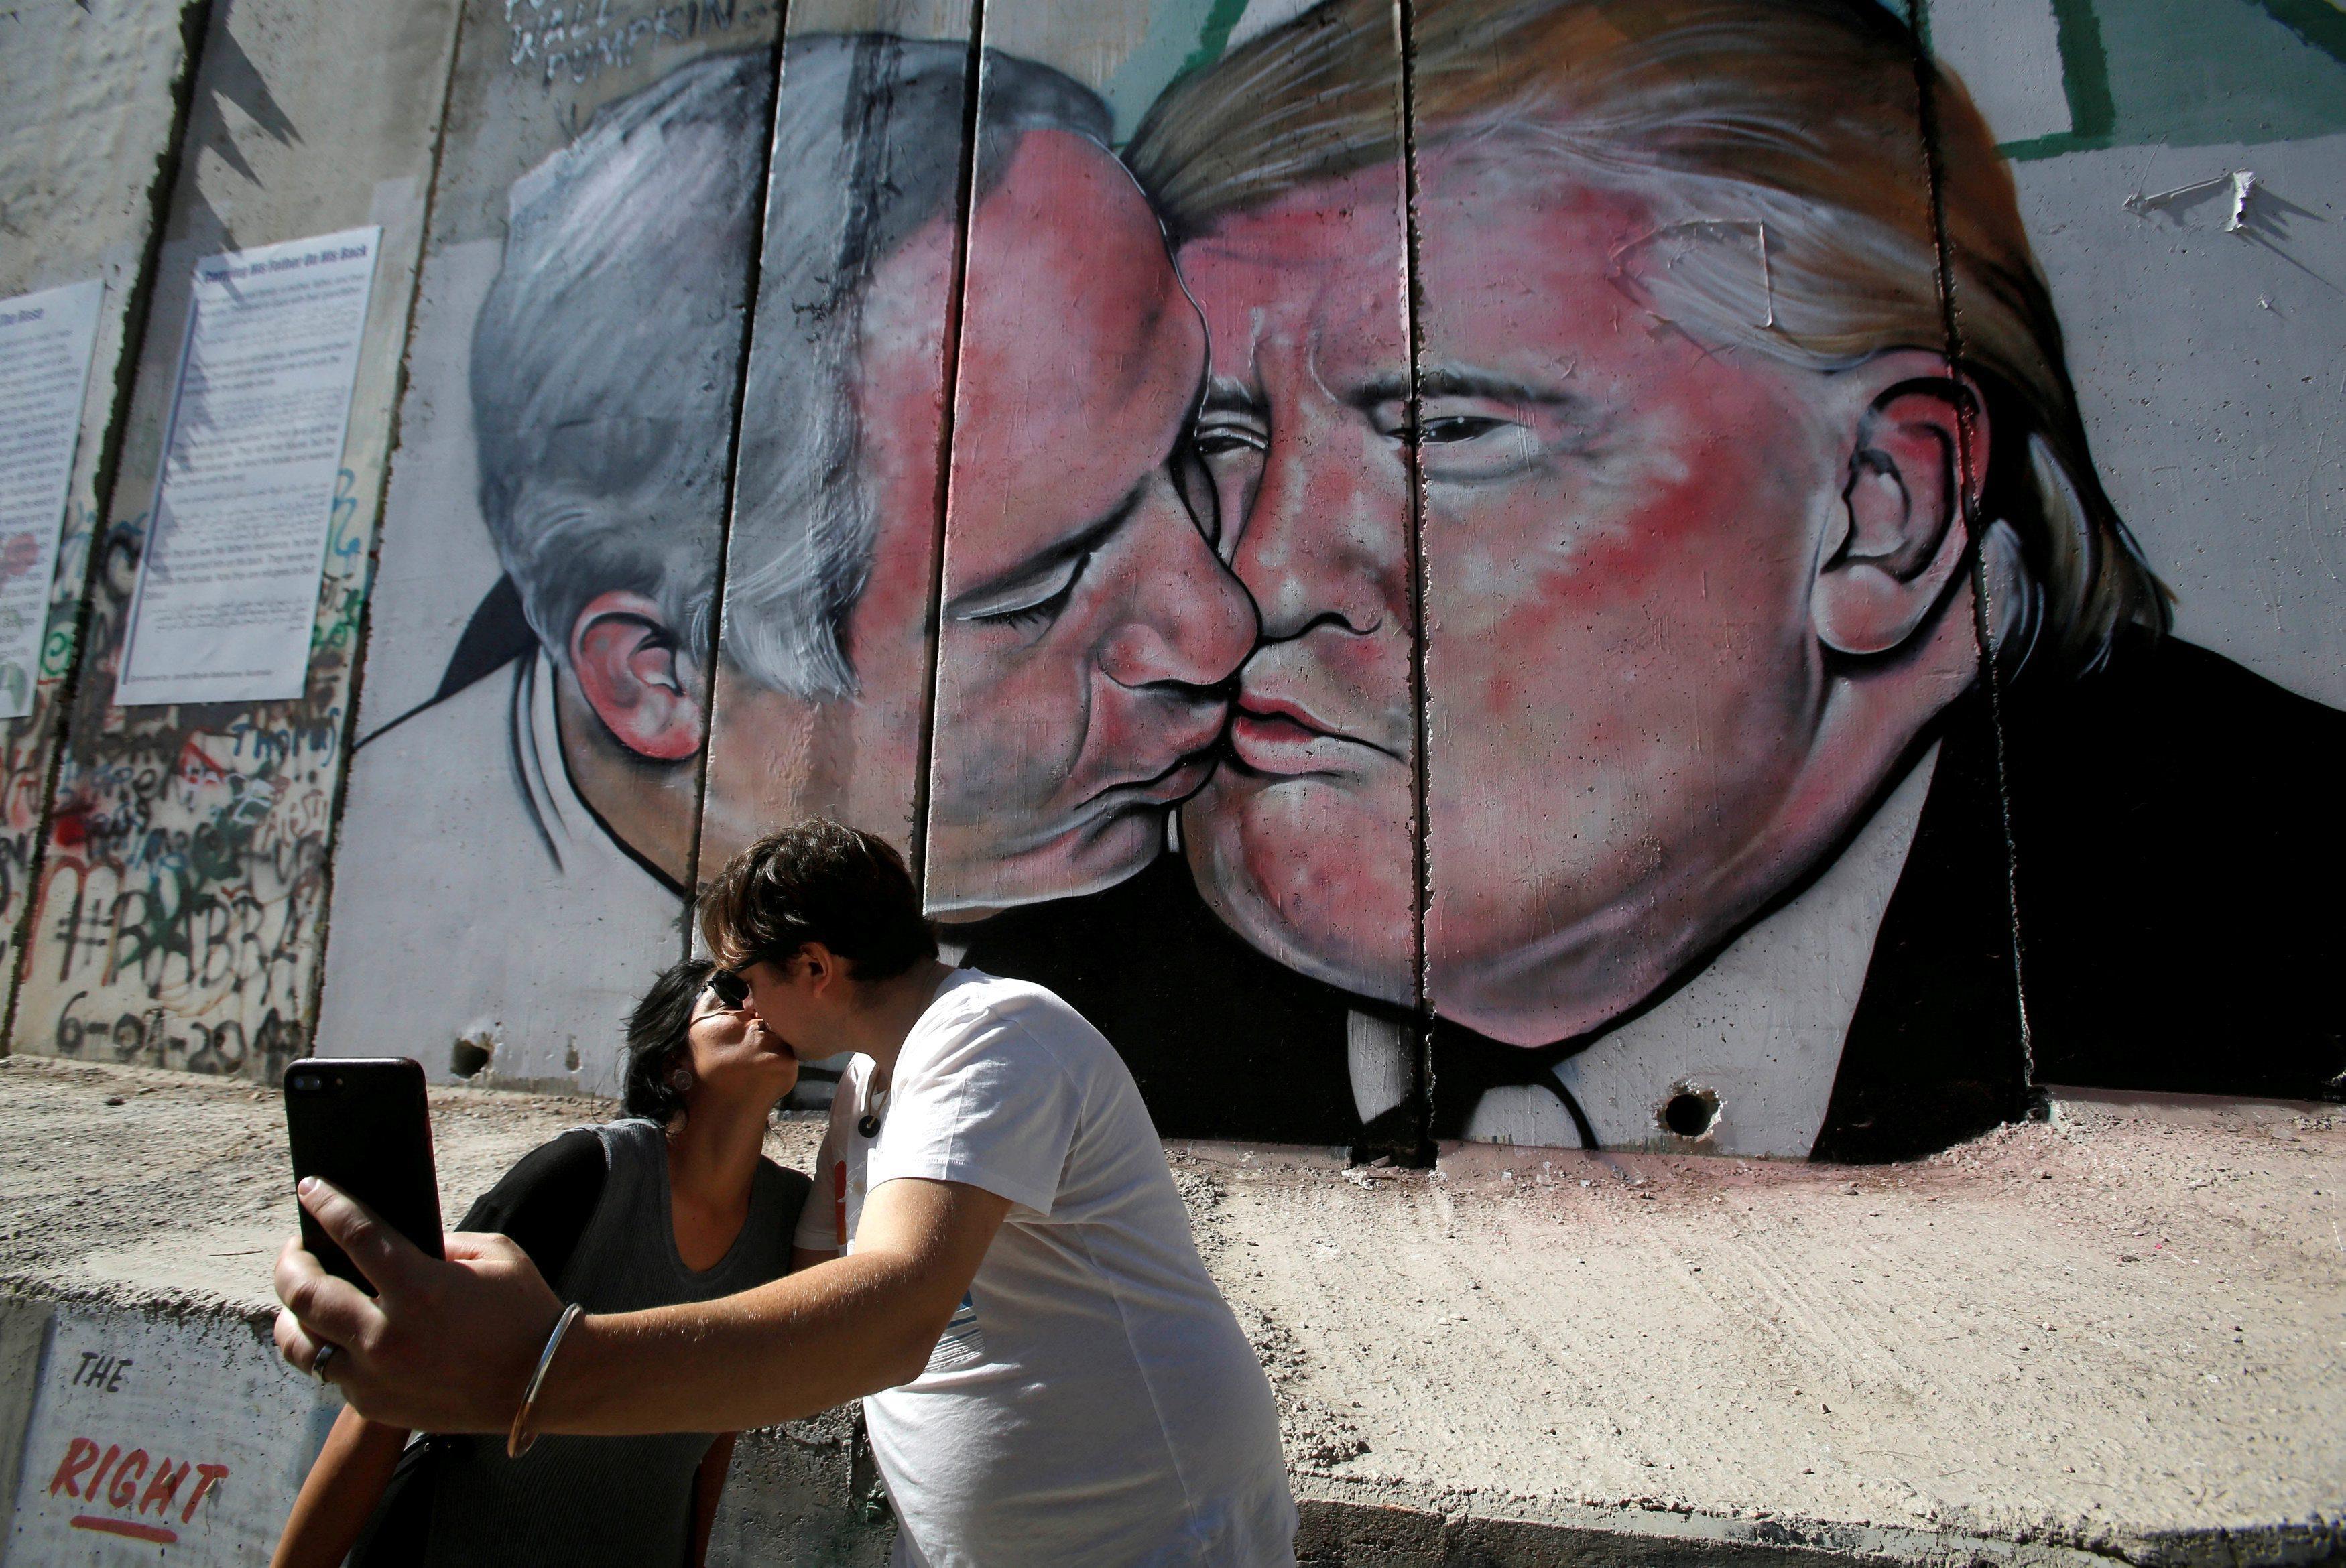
{"points": [[177, 904], [1652, 639], [149, 1430], [91, 120]]}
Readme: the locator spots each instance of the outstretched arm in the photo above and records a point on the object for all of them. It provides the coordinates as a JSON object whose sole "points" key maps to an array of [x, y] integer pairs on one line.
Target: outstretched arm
{"points": [[449, 1347]]}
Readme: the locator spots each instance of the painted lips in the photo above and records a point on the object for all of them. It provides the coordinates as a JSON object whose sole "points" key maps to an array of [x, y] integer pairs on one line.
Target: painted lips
{"points": [[1276, 735], [1176, 784], [1190, 757]]}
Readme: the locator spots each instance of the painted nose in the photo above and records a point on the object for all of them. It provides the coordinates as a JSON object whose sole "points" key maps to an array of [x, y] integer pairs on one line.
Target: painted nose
{"points": [[1327, 539], [1190, 622]]}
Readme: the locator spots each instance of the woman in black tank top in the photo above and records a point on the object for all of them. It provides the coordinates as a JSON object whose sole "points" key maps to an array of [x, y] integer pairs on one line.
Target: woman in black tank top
{"points": [[674, 1202]]}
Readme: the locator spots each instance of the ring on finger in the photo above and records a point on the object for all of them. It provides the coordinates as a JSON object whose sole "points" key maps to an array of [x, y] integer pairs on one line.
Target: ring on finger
{"points": [[326, 1353]]}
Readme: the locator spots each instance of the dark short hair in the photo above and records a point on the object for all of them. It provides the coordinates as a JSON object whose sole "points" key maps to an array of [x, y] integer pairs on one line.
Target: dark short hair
{"points": [[818, 881], [658, 1031]]}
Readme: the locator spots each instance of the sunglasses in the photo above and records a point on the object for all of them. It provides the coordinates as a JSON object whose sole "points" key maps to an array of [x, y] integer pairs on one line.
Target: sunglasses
{"points": [[732, 992]]}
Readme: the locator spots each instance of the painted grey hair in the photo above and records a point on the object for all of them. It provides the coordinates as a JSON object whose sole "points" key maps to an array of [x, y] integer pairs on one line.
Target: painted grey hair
{"points": [[605, 356], [867, 152]]}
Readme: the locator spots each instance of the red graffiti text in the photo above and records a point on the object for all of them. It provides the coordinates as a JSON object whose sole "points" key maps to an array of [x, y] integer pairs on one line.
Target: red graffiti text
{"points": [[131, 1485]]}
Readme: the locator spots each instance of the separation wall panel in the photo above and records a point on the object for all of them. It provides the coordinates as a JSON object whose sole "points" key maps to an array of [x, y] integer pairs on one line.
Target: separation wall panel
{"points": [[512, 870], [184, 879], [212, 1438], [2154, 292], [824, 655], [824, 648], [1716, 858], [1175, 742], [89, 114]]}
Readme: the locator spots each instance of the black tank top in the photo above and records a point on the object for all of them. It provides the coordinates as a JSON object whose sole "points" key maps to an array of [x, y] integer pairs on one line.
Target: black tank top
{"points": [[586, 1500]]}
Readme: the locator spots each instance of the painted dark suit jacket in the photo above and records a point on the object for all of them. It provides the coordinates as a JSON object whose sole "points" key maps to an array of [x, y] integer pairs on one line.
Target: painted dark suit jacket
{"points": [[2181, 857]]}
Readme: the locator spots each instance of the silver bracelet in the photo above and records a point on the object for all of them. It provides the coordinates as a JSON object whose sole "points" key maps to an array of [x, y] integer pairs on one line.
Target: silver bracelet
{"points": [[519, 1440]]}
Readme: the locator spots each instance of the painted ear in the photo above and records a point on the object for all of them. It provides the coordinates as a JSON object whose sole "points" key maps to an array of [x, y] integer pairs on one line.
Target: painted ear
{"points": [[624, 654], [1905, 534]]}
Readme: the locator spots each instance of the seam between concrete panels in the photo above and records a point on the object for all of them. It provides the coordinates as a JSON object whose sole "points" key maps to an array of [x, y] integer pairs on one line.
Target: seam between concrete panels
{"points": [[1927, 77], [688, 898], [195, 31], [965, 203], [313, 994], [860, 1461], [1421, 717]]}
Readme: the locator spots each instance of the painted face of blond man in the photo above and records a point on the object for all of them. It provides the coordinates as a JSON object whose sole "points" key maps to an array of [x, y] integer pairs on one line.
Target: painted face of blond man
{"points": [[1685, 606]]}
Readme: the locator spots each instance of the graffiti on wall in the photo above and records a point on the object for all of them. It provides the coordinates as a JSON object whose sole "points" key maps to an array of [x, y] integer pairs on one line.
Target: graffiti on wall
{"points": [[89, 208], [576, 43], [184, 872], [1618, 631], [147, 1433], [182, 866], [29, 740]]}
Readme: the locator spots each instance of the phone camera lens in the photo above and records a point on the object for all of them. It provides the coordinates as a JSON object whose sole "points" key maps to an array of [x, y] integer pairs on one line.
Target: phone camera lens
{"points": [[306, 1083]]}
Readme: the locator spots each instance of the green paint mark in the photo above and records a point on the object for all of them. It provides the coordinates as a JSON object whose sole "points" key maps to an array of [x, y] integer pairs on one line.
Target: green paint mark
{"points": [[2318, 22], [2195, 73], [2084, 69], [1176, 32], [1214, 34]]}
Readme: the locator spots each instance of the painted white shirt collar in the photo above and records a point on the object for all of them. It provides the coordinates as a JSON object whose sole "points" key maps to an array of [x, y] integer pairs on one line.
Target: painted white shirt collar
{"points": [[1762, 1027], [572, 833]]}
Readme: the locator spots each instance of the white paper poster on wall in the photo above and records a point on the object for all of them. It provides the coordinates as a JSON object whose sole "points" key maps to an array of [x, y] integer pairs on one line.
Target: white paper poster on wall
{"points": [[45, 346], [229, 588]]}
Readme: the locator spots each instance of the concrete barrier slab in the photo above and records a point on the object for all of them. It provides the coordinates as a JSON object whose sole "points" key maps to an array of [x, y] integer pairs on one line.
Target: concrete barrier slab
{"points": [[186, 1434], [2116, 1336]]}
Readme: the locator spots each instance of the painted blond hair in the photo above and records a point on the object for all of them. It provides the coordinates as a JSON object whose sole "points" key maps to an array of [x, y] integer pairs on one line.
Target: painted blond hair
{"points": [[1798, 125]]}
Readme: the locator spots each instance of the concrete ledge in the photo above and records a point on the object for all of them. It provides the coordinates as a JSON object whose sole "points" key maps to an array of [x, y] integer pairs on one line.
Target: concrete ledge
{"points": [[1369, 1525], [2113, 1337]]}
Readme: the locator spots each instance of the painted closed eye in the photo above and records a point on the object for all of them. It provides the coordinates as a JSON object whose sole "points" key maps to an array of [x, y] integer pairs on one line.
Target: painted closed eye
{"points": [[1029, 601]]}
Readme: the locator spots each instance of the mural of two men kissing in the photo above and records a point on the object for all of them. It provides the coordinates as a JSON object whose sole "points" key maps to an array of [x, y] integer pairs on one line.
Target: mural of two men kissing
{"points": [[1595, 622]]}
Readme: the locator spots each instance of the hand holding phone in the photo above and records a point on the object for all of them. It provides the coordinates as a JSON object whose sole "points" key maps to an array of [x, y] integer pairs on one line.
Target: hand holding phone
{"points": [[362, 1123]]}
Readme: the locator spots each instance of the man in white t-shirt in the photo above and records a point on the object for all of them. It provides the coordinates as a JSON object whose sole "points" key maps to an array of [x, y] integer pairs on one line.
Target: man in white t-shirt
{"points": [[1049, 1375]]}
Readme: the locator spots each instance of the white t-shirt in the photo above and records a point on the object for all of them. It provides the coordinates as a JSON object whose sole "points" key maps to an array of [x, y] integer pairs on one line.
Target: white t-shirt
{"points": [[1093, 1401]]}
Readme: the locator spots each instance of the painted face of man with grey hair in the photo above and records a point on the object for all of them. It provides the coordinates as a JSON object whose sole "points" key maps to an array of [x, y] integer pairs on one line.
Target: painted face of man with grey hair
{"points": [[1085, 619], [602, 452]]}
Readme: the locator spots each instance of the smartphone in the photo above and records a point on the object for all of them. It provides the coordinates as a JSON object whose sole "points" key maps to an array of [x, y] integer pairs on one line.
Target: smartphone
{"points": [[361, 1123]]}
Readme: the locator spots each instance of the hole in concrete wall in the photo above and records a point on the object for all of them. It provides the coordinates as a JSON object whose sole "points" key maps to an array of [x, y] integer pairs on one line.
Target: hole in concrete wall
{"points": [[468, 1056], [1689, 1112]]}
